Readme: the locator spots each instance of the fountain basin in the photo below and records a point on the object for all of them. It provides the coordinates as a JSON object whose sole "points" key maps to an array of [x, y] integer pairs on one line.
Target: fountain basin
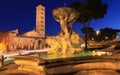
{"points": [[57, 66]]}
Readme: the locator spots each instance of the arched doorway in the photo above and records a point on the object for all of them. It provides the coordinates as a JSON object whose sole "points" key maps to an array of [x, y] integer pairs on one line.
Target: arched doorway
{"points": [[39, 44]]}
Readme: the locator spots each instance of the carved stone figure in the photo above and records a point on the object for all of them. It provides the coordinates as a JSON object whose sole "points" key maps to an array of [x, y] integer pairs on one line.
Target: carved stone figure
{"points": [[65, 16], [67, 41]]}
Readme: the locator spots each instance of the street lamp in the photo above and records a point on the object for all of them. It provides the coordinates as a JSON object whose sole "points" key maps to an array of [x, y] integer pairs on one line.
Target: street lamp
{"points": [[106, 37], [97, 32], [92, 38]]}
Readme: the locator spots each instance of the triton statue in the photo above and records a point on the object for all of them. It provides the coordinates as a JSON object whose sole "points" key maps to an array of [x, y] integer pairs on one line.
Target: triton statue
{"points": [[67, 41]]}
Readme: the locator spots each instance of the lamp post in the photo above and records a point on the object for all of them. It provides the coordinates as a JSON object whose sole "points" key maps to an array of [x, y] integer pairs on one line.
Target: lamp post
{"points": [[97, 32], [106, 37], [97, 35]]}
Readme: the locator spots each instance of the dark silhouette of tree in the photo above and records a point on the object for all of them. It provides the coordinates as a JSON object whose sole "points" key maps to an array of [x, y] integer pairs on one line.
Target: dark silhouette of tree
{"points": [[107, 34], [117, 30], [90, 31], [88, 10]]}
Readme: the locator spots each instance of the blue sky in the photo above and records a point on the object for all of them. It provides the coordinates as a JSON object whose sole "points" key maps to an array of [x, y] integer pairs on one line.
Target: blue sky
{"points": [[20, 14]]}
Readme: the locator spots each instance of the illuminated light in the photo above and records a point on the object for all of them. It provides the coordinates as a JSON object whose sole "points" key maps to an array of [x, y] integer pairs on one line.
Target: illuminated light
{"points": [[97, 32], [83, 45], [1, 51], [106, 37], [92, 38], [99, 53], [2, 47]]}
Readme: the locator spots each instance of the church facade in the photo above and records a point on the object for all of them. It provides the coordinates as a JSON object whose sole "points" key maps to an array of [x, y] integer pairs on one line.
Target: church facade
{"points": [[34, 39]]}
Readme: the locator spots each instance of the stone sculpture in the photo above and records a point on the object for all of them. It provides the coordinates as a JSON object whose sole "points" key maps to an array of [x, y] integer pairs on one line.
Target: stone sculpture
{"points": [[67, 41]]}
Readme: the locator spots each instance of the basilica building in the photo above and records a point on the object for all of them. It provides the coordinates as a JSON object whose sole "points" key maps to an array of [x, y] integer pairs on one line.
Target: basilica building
{"points": [[34, 39]]}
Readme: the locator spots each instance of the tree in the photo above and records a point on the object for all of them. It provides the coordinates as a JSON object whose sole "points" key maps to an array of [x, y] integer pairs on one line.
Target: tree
{"points": [[88, 10], [90, 31], [107, 34]]}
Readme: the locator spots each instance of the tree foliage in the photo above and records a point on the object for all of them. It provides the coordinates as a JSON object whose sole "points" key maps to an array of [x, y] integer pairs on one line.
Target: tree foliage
{"points": [[88, 10], [105, 34]]}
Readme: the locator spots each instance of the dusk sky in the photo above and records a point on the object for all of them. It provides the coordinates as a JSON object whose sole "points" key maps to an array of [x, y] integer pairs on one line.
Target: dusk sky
{"points": [[21, 15]]}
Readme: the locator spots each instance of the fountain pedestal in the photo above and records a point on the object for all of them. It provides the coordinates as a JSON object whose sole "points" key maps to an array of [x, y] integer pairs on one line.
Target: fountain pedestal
{"points": [[75, 65]]}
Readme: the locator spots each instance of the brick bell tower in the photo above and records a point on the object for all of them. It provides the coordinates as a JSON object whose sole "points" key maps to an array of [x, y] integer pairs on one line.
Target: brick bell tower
{"points": [[40, 20]]}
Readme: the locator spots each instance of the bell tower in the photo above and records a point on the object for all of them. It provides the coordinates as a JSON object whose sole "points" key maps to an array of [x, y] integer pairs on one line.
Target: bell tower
{"points": [[40, 20]]}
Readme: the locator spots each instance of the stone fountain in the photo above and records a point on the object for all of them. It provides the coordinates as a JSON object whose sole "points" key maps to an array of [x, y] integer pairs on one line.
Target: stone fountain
{"points": [[67, 41]]}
